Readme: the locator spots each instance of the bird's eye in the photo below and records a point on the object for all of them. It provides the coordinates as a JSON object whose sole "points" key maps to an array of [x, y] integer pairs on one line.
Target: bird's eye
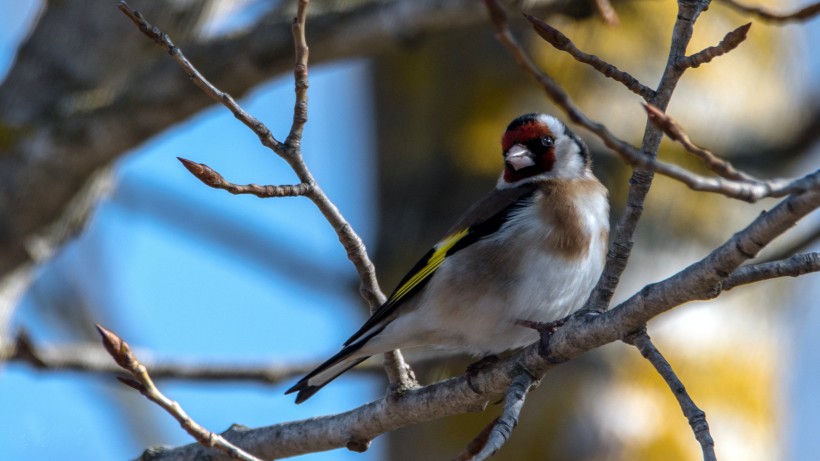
{"points": [[547, 141]]}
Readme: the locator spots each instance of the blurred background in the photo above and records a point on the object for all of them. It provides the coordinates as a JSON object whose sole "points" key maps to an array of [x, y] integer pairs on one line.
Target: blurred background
{"points": [[408, 101]]}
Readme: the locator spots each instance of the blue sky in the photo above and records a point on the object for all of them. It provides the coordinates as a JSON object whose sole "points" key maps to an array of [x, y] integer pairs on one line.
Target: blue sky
{"points": [[160, 266]]}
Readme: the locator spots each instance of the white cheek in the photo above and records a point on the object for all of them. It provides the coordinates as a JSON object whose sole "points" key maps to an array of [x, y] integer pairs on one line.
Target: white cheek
{"points": [[568, 161]]}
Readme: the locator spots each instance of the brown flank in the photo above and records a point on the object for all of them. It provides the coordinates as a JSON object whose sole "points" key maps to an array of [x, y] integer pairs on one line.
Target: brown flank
{"points": [[568, 235]]}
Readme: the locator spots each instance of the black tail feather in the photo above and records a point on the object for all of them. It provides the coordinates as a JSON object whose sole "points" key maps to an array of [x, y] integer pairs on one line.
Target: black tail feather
{"points": [[306, 390]]}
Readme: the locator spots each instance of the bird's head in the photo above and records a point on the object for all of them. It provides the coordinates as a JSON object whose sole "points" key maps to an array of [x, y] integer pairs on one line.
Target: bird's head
{"points": [[539, 146]]}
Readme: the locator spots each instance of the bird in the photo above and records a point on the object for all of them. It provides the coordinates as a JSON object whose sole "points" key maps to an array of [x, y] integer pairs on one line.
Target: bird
{"points": [[530, 251]]}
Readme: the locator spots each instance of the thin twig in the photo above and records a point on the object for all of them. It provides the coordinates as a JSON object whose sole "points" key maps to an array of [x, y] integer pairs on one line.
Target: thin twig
{"points": [[739, 185], [300, 76], [290, 151], [803, 14], [795, 266], [162, 39], [676, 133], [693, 414], [579, 335], [122, 354], [92, 358], [504, 424], [644, 159], [731, 41], [561, 42], [213, 179], [621, 239]]}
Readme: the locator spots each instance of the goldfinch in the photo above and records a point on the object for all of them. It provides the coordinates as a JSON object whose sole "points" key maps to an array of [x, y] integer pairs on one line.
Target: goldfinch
{"points": [[531, 250]]}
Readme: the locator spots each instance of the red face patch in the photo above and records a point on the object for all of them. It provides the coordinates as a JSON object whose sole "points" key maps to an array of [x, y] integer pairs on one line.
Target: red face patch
{"points": [[524, 134], [529, 132]]}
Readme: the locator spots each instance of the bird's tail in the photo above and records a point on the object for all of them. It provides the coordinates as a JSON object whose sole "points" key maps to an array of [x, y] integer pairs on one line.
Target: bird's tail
{"points": [[327, 372]]}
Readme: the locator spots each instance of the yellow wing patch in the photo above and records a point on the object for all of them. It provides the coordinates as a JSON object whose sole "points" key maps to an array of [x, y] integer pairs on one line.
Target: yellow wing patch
{"points": [[432, 264]]}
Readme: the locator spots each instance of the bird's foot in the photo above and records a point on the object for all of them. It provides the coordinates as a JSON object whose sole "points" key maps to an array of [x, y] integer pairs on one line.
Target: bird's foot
{"points": [[586, 314], [406, 382], [474, 368], [544, 328]]}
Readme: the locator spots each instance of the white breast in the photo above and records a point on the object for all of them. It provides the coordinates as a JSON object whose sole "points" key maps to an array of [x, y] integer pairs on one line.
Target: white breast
{"points": [[472, 305]]}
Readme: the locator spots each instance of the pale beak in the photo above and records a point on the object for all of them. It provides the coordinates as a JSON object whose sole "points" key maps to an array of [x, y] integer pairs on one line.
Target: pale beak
{"points": [[519, 157]]}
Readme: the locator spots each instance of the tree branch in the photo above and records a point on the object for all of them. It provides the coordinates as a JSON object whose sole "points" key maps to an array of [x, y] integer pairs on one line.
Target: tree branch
{"points": [[122, 354], [621, 243], [644, 159], [164, 42], [213, 179], [398, 372], [53, 145], [740, 185], [795, 266], [300, 76], [561, 42], [693, 414], [503, 426], [676, 133], [580, 334], [93, 359], [731, 41]]}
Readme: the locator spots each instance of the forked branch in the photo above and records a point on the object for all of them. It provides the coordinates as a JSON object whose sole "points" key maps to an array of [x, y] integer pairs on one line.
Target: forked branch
{"points": [[561, 42], [693, 414], [120, 351], [398, 372], [731, 41]]}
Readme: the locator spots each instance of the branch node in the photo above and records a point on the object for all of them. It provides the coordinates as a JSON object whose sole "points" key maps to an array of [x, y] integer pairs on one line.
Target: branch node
{"points": [[25, 351], [561, 42], [358, 445], [119, 350], [729, 43], [133, 384]]}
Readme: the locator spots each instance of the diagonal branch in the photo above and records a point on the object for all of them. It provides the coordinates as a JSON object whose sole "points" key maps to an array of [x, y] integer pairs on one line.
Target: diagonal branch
{"points": [[803, 14], [795, 266], [300, 76], [121, 352], [693, 414], [561, 42], [731, 41], [738, 184], [503, 426], [398, 372], [644, 159], [213, 179], [676, 133], [580, 334], [621, 243], [162, 39], [93, 359]]}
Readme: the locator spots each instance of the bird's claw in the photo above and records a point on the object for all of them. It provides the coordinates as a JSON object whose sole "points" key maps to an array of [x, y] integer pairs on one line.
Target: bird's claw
{"points": [[474, 368], [544, 328]]}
